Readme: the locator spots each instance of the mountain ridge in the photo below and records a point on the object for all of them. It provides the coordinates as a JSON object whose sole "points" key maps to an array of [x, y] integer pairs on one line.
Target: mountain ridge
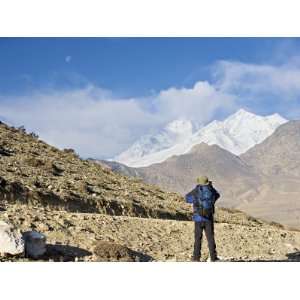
{"points": [[231, 175], [263, 182], [173, 133], [238, 133]]}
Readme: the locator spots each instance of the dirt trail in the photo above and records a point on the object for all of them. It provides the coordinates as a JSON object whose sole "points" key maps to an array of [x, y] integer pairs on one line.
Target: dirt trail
{"points": [[161, 240]]}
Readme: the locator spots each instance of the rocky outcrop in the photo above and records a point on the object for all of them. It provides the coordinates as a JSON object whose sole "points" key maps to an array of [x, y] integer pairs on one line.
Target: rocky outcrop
{"points": [[11, 241]]}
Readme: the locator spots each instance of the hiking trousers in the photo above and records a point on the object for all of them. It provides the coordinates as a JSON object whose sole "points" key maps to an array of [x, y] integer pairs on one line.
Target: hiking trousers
{"points": [[208, 227]]}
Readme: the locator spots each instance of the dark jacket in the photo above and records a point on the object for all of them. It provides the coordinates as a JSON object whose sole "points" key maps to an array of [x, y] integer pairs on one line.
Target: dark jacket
{"points": [[192, 196]]}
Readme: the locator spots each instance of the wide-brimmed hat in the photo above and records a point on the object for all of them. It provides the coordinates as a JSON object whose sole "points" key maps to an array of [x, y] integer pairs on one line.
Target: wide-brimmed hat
{"points": [[203, 180]]}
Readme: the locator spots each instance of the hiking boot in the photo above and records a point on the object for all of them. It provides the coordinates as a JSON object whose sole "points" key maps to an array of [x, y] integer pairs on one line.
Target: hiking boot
{"points": [[214, 260], [197, 259]]}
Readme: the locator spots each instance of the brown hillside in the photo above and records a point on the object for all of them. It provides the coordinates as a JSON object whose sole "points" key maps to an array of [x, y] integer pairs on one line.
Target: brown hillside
{"points": [[279, 154], [231, 176], [36, 173]]}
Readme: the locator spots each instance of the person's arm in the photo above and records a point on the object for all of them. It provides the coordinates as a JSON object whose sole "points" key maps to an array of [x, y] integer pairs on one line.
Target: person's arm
{"points": [[217, 195], [189, 197]]}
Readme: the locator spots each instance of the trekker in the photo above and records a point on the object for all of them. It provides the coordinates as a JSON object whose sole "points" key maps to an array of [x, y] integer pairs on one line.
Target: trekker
{"points": [[203, 198]]}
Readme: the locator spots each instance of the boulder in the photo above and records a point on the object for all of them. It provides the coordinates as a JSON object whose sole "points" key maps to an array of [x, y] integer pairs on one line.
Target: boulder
{"points": [[58, 168], [110, 251], [11, 241], [93, 189], [6, 151], [35, 244]]}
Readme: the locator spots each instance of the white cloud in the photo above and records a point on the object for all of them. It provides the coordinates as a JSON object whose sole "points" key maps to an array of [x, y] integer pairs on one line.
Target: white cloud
{"points": [[84, 119], [199, 103], [262, 88], [252, 79], [96, 124]]}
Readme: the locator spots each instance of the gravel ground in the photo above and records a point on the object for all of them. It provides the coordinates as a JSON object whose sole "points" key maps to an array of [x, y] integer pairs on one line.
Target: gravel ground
{"points": [[75, 236]]}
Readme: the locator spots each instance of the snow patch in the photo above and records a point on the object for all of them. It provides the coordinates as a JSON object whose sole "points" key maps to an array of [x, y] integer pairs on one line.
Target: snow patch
{"points": [[237, 134]]}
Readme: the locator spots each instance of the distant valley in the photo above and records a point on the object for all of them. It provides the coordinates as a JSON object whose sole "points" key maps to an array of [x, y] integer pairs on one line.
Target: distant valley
{"points": [[263, 181]]}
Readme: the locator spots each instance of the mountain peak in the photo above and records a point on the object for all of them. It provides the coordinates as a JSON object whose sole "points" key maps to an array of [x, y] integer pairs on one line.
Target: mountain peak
{"points": [[278, 117], [205, 147], [172, 133], [242, 114], [236, 134], [243, 111]]}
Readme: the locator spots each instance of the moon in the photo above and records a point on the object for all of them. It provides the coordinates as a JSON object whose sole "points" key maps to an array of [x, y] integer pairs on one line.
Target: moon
{"points": [[68, 58]]}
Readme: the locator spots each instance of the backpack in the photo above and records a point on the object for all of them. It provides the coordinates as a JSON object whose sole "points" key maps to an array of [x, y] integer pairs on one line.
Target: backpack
{"points": [[205, 200]]}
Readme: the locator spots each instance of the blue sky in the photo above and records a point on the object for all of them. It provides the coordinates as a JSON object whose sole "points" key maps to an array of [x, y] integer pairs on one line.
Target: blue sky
{"points": [[98, 95], [128, 66]]}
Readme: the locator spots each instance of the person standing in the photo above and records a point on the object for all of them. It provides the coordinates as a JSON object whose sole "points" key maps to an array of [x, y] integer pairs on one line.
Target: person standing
{"points": [[203, 198]]}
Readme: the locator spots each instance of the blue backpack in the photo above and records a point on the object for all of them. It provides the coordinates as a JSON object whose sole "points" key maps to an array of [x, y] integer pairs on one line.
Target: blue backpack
{"points": [[204, 201]]}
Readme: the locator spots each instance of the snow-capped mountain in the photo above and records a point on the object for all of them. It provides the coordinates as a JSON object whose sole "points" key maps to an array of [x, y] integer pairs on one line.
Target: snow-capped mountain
{"points": [[173, 133], [238, 133]]}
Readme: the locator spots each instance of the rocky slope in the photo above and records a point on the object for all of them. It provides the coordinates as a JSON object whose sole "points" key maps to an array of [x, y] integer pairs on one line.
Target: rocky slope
{"points": [[279, 154], [35, 173], [99, 237], [119, 168], [89, 213], [278, 158]]}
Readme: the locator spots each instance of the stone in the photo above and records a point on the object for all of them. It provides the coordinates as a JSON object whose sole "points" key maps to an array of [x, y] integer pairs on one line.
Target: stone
{"points": [[6, 151], [35, 244], [58, 168], [93, 189], [11, 241]]}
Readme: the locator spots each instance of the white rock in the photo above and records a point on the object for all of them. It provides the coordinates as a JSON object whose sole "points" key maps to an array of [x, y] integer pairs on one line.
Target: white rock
{"points": [[35, 244], [11, 241]]}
